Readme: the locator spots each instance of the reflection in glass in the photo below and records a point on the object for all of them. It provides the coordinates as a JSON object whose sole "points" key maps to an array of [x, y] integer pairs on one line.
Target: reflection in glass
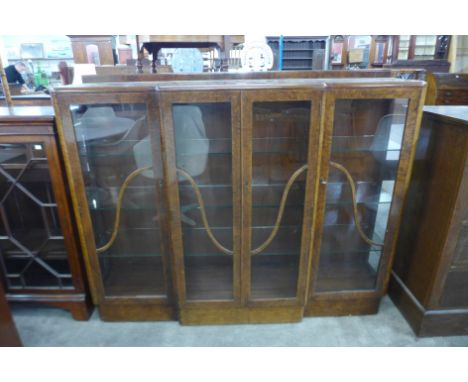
{"points": [[32, 248], [366, 142], [203, 143], [113, 143], [280, 146]]}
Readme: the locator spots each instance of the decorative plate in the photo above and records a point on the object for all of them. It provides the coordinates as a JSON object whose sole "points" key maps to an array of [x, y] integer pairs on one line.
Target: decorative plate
{"points": [[187, 60], [256, 57]]}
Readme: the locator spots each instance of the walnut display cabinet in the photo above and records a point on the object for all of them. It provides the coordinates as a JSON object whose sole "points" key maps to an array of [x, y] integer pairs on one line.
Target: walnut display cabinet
{"points": [[39, 255], [238, 201]]}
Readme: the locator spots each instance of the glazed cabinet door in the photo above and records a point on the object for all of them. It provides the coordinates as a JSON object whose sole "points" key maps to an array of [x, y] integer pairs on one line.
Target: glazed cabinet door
{"points": [[33, 249], [280, 142], [111, 142], [369, 140], [202, 142]]}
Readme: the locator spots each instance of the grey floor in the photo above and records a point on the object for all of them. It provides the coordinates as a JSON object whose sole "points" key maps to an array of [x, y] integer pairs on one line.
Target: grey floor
{"points": [[54, 327]]}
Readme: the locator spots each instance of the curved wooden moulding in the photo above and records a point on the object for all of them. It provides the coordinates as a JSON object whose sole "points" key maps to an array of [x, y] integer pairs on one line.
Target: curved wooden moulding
{"points": [[206, 224]]}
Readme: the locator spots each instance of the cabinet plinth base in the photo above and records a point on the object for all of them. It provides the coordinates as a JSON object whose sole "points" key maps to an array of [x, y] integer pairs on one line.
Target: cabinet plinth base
{"points": [[134, 312], [79, 305], [241, 315], [341, 307], [427, 322]]}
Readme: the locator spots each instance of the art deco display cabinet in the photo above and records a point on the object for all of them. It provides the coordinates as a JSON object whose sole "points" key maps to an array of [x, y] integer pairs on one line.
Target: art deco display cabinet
{"points": [[238, 201], [39, 256]]}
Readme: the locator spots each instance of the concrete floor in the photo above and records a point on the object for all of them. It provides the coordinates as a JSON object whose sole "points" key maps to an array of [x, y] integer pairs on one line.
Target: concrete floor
{"points": [[54, 327]]}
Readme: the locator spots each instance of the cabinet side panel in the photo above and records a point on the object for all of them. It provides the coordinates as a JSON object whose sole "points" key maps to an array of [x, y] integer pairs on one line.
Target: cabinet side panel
{"points": [[426, 218]]}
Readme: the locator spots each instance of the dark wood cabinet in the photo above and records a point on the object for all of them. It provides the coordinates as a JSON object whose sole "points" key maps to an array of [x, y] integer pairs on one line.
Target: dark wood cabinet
{"points": [[429, 52], [235, 201], [447, 89], [89, 49], [430, 274], [358, 52], [39, 255], [421, 47], [8, 333]]}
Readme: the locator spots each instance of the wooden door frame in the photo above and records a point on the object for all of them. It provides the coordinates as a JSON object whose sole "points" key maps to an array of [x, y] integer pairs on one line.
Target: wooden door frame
{"points": [[314, 151], [166, 100], [415, 98], [103, 95], [63, 211]]}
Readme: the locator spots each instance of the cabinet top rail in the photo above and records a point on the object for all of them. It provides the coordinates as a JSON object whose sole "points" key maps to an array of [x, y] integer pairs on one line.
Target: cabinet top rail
{"points": [[241, 84], [458, 113], [26, 113]]}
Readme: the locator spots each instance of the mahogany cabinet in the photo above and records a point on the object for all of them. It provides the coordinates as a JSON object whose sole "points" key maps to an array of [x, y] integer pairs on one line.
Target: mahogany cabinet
{"points": [[430, 274], [447, 89], [9, 336], [238, 201], [39, 255]]}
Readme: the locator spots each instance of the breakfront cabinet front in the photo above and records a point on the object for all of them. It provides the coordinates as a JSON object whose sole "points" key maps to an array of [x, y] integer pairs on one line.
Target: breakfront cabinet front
{"points": [[237, 177], [40, 258], [238, 201]]}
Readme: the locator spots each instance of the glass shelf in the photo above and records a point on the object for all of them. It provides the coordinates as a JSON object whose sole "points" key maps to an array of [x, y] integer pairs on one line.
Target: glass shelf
{"points": [[131, 255], [277, 145], [363, 203], [370, 143]]}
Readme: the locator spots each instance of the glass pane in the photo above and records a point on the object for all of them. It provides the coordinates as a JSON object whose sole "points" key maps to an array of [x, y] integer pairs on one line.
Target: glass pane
{"points": [[280, 142], [32, 250], [425, 47], [203, 143], [366, 145], [403, 54], [404, 41], [403, 50], [113, 143]]}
